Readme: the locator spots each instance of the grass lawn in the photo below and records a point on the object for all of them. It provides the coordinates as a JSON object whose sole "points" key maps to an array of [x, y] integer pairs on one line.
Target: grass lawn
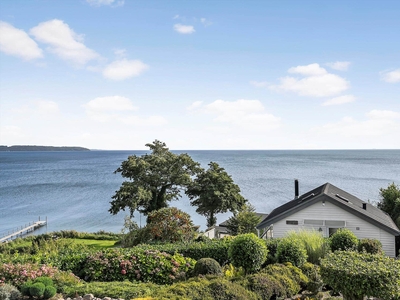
{"points": [[98, 244]]}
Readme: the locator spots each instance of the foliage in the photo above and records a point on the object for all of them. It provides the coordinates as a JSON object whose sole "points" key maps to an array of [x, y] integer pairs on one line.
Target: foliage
{"points": [[372, 246], [291, 278], [37, 289], [248, 251], [291, 251], [64, 280], [213, 191], [272, 246], [312, 272], [314, 243], [136, 265], [222, 289], [231, 272], [17, 274], [390, 202], [357, 275], [193, 289], [47, 281], [243, 221], [343, 239], [265, 286], [136, 237], [216, 249], [153, 179], [49, 291], [9, 292], [207, 266], [170, 225], [115, 290]]}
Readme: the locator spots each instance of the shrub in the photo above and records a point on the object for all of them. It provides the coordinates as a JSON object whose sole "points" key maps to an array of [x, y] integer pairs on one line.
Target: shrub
{"points": [[272, 246], [9, 292], [291, 251], [231, 272], [357, 275], [290, 283], [49, 292], [47, 281], [37, 289], [207, 266], [312, 272], [371, 246], [265, 286], [314, 243], [248, 251], [222, 289], [25, 288], [65, 279], [193, 289], [17, 274], [343, 239]]}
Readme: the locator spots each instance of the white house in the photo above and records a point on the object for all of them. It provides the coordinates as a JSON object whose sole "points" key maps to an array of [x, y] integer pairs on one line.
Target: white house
{"points": [[328, 208]]}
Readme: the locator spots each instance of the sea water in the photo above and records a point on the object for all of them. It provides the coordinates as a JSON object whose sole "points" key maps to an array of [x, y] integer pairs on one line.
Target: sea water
{"points": [[73, 190]]}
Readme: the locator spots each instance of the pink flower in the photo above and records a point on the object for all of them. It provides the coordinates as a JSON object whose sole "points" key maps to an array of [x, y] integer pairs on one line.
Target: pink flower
{"points": [[123, 272]]}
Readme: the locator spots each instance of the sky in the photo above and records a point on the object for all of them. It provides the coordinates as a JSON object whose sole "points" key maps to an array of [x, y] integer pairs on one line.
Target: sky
{"points": [[117, 74]]}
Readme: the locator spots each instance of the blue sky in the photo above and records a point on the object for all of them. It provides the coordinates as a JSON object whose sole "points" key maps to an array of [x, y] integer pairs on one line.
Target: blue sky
{"points": [[117, 74]]}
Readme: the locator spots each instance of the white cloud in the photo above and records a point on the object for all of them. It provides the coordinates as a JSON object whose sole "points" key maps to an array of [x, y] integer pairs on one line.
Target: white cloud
{"points": [[378, 123], [339, 65], [124, 68], [339, 100], [110, 103], [63, 41], [106, 2], [195, 105], [205, 22], [184, 29], [16, 42], [259, 83], [309, 70], [316, 83], [47, 107], [176, 17], [391, 77], [242, 114]]}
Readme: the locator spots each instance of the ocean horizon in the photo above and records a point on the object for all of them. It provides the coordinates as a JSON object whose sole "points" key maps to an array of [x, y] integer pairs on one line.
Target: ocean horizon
{"points": [[73, 189]]}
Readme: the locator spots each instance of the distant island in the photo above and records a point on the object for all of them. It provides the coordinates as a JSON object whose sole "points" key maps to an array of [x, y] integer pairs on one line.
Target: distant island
{"points": [[41, 148]]}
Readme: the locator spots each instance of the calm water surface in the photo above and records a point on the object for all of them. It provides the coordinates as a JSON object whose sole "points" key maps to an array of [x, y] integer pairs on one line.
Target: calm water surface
{"points": [[73, 189]]}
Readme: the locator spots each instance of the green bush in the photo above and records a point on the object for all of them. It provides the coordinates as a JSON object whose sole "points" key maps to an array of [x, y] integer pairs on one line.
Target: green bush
{"points": [[222, 289], [265, 286], [312, 272], [343, 239], [47, 281], [9, 292], [207, 266], [290, 280], [248, 251], [357, 275], [37, 289], [372, 246], [291, 251], [272, 246], [193, 289], [49, 292], [314, 243]]}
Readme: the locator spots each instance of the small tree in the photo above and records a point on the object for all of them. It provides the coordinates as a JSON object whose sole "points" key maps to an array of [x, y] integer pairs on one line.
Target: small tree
{"points": [[390, 202], [248, 251], [244, 221], [213, 191]]}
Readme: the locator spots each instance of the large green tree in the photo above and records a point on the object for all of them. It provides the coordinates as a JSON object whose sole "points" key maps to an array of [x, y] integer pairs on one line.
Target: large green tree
{"points": [[390, 202], [213, 191], [153, 179]]}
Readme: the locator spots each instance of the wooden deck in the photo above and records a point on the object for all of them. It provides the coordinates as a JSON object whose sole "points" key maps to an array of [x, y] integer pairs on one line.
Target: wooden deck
{"points": [[23, 231]]}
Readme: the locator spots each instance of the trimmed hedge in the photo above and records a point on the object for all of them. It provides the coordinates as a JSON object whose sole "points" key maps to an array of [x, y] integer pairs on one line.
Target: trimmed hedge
{"points": [[207, 266], [343, 239], [372, 246], [357, 275], [290, 251]]}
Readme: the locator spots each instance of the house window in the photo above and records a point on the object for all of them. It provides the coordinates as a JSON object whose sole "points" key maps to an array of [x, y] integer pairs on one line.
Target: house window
{"points": [[292, 222], [335, 223], [314, 222]]}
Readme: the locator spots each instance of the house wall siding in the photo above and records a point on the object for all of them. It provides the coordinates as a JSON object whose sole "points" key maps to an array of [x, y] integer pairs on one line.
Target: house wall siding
{"points": [[329, 211]]}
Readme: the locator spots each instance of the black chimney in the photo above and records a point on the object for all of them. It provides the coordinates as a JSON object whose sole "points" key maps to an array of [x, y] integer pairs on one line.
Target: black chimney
{"points": [[365, 206], [296, 189]]}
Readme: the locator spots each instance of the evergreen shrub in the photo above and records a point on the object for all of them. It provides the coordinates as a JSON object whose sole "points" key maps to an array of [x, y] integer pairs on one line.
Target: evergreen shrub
{"points": [[291, 280], [291, 251], [248, 251], [222, 289], [272, 246], [312, 272], [357, 275], [9, 292], [265, 286], [49, 292], [37, 289], [372, 246], [207, 266], [343, 239]]}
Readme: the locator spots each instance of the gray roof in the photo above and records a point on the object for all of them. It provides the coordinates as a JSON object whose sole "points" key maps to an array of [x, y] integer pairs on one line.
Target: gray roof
{"points": [[338, 197]]}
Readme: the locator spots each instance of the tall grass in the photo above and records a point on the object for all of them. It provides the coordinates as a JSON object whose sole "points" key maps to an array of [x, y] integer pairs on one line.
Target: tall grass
{"points": [[314, 243]]}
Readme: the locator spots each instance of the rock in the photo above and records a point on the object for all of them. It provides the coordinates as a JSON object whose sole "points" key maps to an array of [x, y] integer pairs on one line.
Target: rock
{"points": [[106, 298], [88, 297]]}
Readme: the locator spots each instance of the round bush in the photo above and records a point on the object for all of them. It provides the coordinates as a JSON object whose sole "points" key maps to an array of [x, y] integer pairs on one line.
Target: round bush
{"points": [[206, 266], [265, 286], [290, 251], [25, 288], [47, 281], [9, 292], [344, 239], [222, 289], [49, 292], [371, 246], [248, 251], [37, 289]]}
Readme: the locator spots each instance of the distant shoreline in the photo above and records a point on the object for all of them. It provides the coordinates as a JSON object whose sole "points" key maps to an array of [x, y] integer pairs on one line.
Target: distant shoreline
{"points": [[41, 148]]}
